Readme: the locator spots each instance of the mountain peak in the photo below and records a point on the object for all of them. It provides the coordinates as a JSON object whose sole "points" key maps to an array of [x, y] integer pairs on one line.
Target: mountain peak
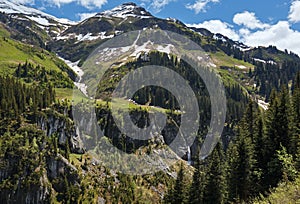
{"points": [[129, 4], [126, 10], [10, 7], [32, 13]]}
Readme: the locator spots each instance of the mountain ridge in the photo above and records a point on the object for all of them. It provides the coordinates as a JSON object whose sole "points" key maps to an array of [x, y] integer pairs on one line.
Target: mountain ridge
{"points": [[45, 157], [124, 11], [75, 42], [17, 8]]}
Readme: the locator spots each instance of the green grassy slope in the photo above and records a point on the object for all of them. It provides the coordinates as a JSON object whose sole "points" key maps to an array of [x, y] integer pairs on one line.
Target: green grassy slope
{"points": [[286, 192], [15, 52]]}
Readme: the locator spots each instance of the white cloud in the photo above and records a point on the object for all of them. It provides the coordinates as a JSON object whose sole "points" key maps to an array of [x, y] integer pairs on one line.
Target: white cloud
{"points": [[84, 16], [280, 34], [90, 4], [244, 31], [249, 20], [59, 2], [157, 5], [294, 15], [217, 26], [143, 4], [253, 32], [200, 5]]}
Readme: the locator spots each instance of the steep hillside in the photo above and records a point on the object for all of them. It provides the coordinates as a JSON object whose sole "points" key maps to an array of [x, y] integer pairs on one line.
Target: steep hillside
{"points": [[253, 68], [286, 192], [30, 25], [43, 157], [32, 63], [77, 42], [53, 149]]}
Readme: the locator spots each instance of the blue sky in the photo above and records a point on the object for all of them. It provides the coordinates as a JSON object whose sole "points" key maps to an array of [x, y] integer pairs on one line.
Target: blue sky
{"points": [[255, 22], [266, 10]]}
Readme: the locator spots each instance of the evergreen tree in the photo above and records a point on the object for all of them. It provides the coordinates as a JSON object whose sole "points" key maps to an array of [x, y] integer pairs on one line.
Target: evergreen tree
{"points": [[251, 127], [178, 194], [215, 190], [284, 117], [295, 121], [258, 149], [277, 134], [241, 156], [196, 194]]}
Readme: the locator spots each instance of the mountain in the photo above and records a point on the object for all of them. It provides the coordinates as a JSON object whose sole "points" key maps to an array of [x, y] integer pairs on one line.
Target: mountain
{"points": [[45, 158], [30, 25], [85, 36], [24, 33], [33, 64], [31, 13], [126, 10]]}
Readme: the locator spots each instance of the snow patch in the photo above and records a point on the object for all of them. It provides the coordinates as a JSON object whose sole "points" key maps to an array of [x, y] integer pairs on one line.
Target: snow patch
{"points": [[167, 49], [142, 48], [125, 11], [15, 8], [241, 66], [271, 62], [259, 60], [74, 66], [263, 104], [40, 20], [219, 37], [43, 28], [174, 20], [211, 64], [264, 61], [148, 46], [207, 61], [244, 49], [87, 37], [189, 159], [118, 32]]}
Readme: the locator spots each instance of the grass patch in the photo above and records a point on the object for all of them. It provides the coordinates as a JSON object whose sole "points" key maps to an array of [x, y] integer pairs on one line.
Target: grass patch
{"points": [[14, 53], [4, 32], [75, 159], [286, 192], [122, 105], [74, 95], [221, 59]]}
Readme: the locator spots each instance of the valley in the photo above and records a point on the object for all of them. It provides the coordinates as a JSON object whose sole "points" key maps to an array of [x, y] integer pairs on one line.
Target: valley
{"points": [[60, 135]]}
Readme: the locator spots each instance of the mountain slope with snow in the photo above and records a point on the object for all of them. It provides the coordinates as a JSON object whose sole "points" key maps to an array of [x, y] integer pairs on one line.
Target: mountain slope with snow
{"points": [[126, 10], [34, 14], [76, 41], [30, 25]]}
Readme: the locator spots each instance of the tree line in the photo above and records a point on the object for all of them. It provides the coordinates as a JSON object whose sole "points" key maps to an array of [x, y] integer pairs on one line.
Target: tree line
{"points": [[31, 73], [264, 151], [17, 97]]}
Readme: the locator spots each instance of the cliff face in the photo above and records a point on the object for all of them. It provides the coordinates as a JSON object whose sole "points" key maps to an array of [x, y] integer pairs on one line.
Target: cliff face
{"points": [[39, 193], [40, 185], [41, 163], [33, 158], [61, 125], [141, 118]]}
